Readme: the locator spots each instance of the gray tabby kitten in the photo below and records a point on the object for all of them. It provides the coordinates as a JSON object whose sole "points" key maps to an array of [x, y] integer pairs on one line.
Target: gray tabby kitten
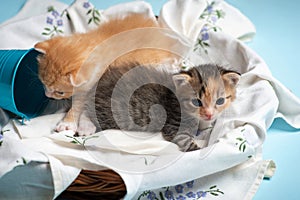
{"points": [[145, 98]]}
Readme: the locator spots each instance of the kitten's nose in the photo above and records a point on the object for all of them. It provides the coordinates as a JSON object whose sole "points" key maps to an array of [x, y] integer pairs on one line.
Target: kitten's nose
{"points": [[208, 116]]}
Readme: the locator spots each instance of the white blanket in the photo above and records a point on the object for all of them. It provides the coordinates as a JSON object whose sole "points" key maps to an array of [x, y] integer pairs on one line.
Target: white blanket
{"points": [[230, 167]]}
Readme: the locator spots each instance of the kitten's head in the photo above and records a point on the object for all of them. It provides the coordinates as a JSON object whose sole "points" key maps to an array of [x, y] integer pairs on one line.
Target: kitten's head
{"points": [[59, 65], [206, 90]]}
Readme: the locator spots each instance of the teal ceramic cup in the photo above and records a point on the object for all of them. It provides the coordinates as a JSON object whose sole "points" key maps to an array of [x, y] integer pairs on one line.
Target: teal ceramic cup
{"points": [[21, 91]]}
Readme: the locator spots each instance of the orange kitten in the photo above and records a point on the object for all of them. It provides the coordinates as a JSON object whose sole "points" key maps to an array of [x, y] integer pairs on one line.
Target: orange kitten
{"points": [[63, 57]]}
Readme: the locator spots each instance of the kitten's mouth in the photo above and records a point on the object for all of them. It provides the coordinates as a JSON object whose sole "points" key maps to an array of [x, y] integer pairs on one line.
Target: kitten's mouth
{"points": [[208, 118]]}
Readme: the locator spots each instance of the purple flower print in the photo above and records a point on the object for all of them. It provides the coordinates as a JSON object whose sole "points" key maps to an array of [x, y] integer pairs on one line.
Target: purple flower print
{"points": [[204, 36], [55, 13], [190, 184], [169, 195], [210, 15], [201, 194], [151, 196], [214, 19], [179, 188], [191, 195], [54, 19], [59, 22], [204, 29], [209, 9], [180, 197], [86, 4], [49, 20]]}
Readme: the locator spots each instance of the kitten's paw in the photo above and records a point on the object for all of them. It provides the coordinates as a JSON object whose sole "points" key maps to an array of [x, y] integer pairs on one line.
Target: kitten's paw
{"points": [[86, 130], [63, 126], [193, 146], [86, 127], [185, 142]]}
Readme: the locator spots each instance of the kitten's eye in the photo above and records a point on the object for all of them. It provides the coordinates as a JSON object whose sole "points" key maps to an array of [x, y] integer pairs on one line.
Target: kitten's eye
{"points": [[220, 101], [196, 102], [59, 93]]}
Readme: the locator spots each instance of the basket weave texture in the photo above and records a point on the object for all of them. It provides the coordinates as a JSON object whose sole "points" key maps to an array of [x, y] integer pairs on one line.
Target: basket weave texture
{"points": [[103, 185]]}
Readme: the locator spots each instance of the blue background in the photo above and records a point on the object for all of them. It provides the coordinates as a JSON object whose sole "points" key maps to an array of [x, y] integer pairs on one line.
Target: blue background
{"points": [[277, 42]]}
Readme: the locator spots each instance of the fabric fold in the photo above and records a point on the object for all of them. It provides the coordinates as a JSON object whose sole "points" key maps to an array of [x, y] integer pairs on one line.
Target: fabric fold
{"points": [[231, 166], [190, 17]]}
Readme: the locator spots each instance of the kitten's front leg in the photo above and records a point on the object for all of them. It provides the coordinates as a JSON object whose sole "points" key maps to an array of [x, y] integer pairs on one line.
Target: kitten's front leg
{"points": [[86, 126], [71, 119]]}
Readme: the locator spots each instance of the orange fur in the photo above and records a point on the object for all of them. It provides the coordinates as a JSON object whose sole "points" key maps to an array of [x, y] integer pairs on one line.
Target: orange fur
{"points": [[63, 57]]}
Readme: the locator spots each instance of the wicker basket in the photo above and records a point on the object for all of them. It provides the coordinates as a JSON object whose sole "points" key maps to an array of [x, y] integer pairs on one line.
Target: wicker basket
{"points": [[103, 185]]}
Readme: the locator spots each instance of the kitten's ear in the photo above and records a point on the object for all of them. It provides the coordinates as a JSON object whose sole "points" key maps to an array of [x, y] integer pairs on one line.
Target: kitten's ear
{"points": [[181, 80], [42, 46], [88, 72], [77, 80], [231, 77]]}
